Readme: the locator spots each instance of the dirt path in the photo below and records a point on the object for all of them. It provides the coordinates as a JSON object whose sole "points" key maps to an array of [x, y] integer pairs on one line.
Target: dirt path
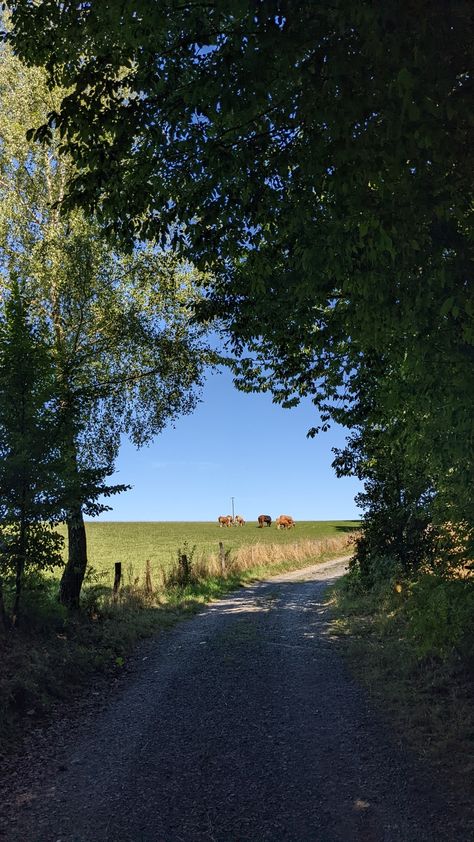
{"points": [[240, 725]]}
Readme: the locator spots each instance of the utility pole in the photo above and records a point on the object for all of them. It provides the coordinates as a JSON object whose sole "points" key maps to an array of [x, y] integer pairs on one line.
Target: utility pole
{"points": [[233, 498]]}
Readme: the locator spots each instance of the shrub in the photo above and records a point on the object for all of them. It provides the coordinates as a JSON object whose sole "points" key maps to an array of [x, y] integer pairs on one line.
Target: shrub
{"points": [[95, 594], [41, 611], [377, 572], [182, 573], [440, 616]]}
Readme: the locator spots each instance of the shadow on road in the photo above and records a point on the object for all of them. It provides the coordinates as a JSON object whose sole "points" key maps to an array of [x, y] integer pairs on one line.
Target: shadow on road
{"points": [[242, 725]]}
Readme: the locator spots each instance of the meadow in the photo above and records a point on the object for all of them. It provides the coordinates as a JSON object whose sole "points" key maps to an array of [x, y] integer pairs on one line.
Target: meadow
{"points": [[133, 543]]}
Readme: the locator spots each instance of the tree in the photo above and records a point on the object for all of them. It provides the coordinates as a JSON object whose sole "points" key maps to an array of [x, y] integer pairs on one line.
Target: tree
{"points": [[126, 359], [318, 160], [397, 502], [30, 455]]}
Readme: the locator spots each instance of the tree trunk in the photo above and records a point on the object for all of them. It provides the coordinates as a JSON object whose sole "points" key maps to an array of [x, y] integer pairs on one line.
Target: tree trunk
{"points": [[75, 569]]}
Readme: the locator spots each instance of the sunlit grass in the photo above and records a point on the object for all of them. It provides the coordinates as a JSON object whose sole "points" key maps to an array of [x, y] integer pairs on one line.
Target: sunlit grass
{"points": [[133, 543]]}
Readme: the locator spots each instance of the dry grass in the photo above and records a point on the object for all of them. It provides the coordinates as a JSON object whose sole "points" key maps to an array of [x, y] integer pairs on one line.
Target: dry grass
{"points": [[266, 556]]}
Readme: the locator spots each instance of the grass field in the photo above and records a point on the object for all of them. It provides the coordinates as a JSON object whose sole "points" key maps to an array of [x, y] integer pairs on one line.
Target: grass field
{"points": [[133, 543]]}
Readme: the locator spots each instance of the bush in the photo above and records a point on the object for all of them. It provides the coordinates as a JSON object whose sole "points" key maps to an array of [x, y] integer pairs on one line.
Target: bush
{"points": [[394, 538], [377, 573], [42, 613], [440, 616], [182, 574]]}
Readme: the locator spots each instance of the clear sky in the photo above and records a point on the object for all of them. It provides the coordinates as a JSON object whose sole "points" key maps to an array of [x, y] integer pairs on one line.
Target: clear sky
{"points": [[239, 445]]}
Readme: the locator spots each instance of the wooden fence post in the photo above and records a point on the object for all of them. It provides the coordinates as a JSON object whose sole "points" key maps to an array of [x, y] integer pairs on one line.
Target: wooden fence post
{"points": [[185, 569], [148, 582], [117, 579], [222, 557]]}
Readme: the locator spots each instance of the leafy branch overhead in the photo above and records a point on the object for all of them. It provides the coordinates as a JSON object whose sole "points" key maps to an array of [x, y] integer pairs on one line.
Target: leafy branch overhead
{"points": [[117, 326], [318, 161]]}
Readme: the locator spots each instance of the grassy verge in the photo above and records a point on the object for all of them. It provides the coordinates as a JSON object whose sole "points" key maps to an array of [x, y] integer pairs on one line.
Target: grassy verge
{"points": [[55, 655], [428, 696]]}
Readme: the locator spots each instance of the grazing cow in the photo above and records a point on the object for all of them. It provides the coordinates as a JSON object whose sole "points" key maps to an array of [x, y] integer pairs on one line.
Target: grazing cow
{"points": [[225, 520], [285, 522], [239, 521], [264, 520]]}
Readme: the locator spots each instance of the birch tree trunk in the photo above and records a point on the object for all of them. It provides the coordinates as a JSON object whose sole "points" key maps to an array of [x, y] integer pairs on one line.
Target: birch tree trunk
{"points": [[75, 569]]}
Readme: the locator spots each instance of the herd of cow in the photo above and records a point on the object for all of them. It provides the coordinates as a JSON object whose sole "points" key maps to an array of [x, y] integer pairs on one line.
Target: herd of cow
{"points": [[282, 522]]}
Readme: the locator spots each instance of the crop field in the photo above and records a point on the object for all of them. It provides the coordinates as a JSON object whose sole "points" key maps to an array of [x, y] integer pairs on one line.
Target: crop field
{"points": [[133, 543]]}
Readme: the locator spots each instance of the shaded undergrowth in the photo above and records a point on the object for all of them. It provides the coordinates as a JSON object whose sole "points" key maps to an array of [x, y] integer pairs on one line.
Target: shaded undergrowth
{"points": [[404, 642]]}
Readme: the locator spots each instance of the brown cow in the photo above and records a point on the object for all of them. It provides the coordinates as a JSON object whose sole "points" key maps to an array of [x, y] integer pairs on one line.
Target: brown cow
{"points": [[239, 521], [264, 520], [225, 520], [285, 522]]}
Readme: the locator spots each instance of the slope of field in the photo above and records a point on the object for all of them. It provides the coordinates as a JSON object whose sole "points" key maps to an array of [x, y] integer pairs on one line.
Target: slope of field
{"points": [[133, 543]]}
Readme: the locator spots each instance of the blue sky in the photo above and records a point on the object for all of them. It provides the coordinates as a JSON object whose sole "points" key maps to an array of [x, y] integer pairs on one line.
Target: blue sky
{"points": [[240, 445]]}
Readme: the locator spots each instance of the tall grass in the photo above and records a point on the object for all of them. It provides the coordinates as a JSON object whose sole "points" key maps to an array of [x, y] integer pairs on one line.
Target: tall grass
{"points": [[266, 556]]}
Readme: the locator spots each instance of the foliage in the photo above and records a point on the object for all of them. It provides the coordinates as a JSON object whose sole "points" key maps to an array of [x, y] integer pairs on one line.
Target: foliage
{"points": [[182, 573], [433, 609], [119, 323], [397, 503], [318, 160], [126, 359], [440, 613], [43, 546], [30, 453]]}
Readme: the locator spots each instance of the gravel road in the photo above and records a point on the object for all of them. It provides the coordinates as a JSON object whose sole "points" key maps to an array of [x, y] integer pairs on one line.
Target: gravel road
{"points": [[240, 725]]}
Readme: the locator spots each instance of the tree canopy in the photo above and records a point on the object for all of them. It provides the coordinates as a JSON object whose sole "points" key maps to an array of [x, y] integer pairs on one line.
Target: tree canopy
{"points": [[31, 490], [317, 158], [124, 356]]}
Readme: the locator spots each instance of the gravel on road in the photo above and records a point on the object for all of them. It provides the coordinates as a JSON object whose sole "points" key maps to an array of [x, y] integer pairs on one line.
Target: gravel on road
{"points": [[241, 724]]}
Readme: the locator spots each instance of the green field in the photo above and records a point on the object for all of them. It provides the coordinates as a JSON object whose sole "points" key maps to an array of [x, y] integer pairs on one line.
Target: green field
{"points": [[133, 543]]}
